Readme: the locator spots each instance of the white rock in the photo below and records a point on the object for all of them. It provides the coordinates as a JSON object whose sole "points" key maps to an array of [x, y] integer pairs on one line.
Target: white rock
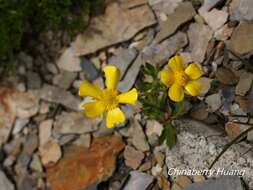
{"points": [[244, 84], [5, 184], [214, 102], [19, 125], [138, 181]]}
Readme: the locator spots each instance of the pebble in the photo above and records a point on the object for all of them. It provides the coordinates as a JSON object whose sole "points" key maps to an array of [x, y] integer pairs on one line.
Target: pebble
{"points": [[138, 180], [5, 184], [45, 128], [214, 102], [84, 140], [244, 84], [64, 79], [133, 158]]}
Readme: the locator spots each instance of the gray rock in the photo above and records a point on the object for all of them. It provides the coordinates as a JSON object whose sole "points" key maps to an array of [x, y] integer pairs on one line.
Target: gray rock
{"points": [[65, 139], [160, 53], [69, 61], [52, 68], [244, 10], [244, 84], [130, 77], [31, 143], [131, 21], [242, 39], [36, 163], [205, 144], [33, 80], [84, 140], [215, 18], [223, 183], [27, 182], [26, 59], [137, 136], [130, 4], [20, 123], [61, 96], [138, 181], [214, 102], [64, 79], [5, 184], [209, 4], [89, 69], [199, 36], [183, 13], [21, 167], [74, 123], [45, 130], [123, 58]]}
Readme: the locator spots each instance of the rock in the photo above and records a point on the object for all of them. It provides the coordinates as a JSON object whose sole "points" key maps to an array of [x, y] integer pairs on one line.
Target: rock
{"points": [[52, 68], [69, 61], [206, 144], [33, 80], [198, 178], [160, 53], [137, 136], [163, 182], [27, 104], [215, 18], [129, 79], [199, 112], [74, 123], [5, 184], [181, 183], [132, 3], [235, 129], [243, 11], [242, 39], [138, 180], [153, 127], [84, 141], [214, 102], [226, 76], [183, 13], [223, 183], [156, 170], [223, 33], [44, 107], [60, 96], [244, 83], [133, 158], [12, 104], [159, 157], [131, 21], [199, 36], [31, 143], [146, 166], [36, 163], [89, 69], [65, 139], [64, 79], [21, 165], [206, 85], [20, 123], [27, 182], [208, 5], [123, 58], [50, 153], [166, 7], [45, 128], [76, 171]]}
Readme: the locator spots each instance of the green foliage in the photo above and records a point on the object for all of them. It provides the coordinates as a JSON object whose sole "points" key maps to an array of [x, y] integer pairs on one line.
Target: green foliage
{"points": [[169, 136], [153, 95], [179, 109], [33, 16]]}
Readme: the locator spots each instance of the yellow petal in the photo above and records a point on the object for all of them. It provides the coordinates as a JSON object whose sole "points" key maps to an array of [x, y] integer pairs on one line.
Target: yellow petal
{"points": [[129, 97], [88, 89], [176, 93], [176, 63], [193, 71], [112, 76], [167, 77], [114, 117], [93, 109], [193, 88]]}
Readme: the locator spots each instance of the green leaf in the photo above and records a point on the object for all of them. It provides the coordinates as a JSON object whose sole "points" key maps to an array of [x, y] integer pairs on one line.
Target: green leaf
{"points": [[150, 70], [168, 135], [179, 109]]}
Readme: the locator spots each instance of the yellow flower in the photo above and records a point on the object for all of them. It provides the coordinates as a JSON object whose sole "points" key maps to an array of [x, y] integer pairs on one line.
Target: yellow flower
{"points": [[107, 100], [180, 80]]}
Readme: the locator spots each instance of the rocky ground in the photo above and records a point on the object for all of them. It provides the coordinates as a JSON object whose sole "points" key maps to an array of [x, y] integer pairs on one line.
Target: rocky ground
{"points": [[47, 143]]}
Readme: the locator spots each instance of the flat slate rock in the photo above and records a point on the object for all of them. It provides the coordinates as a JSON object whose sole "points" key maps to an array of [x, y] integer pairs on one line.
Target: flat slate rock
{"points": [[223, 183], [115, 26]]}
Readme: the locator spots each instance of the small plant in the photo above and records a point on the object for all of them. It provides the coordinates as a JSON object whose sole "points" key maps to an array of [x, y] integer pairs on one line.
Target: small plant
{"points": [[179, 79]]}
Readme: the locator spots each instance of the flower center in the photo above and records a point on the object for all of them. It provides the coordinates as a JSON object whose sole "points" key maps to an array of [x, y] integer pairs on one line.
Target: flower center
{"points": [[110, 99], [181, 78]]}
